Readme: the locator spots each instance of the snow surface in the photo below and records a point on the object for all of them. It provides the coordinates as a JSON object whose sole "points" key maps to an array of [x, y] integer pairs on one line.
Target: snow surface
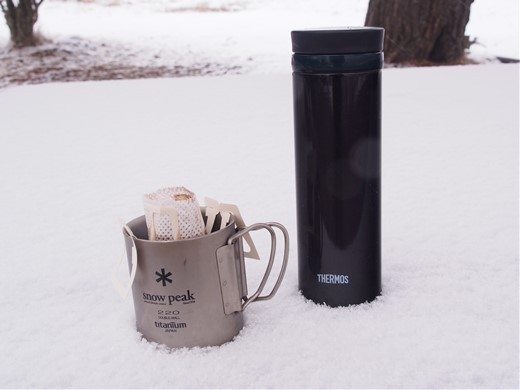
{"points": [[251, 34], [76, 156]]}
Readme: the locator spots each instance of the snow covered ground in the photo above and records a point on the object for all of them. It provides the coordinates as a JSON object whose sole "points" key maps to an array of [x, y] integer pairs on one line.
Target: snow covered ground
{"points": [[76, 156], [212, 36]]}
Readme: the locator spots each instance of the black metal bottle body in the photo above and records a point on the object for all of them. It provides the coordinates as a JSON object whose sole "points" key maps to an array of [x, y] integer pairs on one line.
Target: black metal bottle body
{"points": [[337, 124]]}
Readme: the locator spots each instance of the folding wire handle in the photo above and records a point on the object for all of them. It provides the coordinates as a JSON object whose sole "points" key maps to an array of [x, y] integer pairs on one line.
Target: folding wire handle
{"points": [[269, 227]]}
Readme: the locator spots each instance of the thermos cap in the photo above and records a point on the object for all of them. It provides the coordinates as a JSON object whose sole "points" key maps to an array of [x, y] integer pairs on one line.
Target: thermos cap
{"points": [[344, 40]]}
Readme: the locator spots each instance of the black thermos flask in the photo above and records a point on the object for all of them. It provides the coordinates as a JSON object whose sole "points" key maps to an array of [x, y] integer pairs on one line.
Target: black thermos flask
{"points": [[337, 132]]}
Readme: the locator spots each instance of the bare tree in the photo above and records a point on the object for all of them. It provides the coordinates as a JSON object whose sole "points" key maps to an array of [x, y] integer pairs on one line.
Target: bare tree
{"points": [[422, 31], [20, 18]]}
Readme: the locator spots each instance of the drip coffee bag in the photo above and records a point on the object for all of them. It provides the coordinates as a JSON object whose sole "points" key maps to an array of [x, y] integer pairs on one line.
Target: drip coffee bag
{"points": [[173, 213]]}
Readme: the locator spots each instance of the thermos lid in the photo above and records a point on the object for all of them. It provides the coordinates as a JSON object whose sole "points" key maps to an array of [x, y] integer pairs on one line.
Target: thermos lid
{"points": [[345, 40]]}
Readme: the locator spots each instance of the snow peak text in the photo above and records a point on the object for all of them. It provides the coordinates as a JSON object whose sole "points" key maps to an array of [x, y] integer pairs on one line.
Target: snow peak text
{"points": [[188, 297], [333, 279]]}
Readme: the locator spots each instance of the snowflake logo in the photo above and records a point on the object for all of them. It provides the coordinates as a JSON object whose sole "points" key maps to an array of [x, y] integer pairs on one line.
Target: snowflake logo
{"points": [[163, 277]]}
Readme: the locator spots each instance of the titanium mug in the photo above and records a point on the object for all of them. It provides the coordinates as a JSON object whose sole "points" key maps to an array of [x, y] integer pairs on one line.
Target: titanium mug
{"points": [[192, 292]]}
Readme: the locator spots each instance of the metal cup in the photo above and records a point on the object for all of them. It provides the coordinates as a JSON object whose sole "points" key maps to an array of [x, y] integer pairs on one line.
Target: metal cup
{"points": [[192, 292]]}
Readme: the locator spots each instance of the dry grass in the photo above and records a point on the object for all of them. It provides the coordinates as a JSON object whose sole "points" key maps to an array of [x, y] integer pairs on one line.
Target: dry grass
{"points": [[78, 60], [205, 8]]}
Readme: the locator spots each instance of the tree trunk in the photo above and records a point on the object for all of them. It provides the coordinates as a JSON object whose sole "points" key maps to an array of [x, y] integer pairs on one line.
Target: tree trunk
{"points": [[20, 19], [421, 31]]}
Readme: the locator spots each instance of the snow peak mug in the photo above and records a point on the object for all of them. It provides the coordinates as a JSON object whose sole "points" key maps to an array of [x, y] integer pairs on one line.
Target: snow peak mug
{"points": [[192, 292]]}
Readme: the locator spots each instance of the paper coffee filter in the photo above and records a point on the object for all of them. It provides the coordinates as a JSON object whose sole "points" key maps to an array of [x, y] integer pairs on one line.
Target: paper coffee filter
{"points": [[173, 213]]}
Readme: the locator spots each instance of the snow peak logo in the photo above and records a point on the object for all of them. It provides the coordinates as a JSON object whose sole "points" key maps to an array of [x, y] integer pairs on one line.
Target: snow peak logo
{"points": [[333, 279], [163, 277], [155, 299]]}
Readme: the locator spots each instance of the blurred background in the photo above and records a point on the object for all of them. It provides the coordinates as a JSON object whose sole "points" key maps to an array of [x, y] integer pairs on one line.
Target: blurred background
{"points": [[68, 40]]}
